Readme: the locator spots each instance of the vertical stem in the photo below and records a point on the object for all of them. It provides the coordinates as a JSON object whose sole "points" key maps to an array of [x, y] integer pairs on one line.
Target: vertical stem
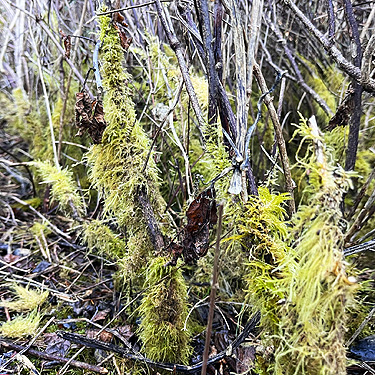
{"points": [[240, 61], [176, 46], [66, 93], [290, 185], [202, 8], [351, 151], [256, 16], [214, 287], [46, 100], [331, 21], [20, 31]]}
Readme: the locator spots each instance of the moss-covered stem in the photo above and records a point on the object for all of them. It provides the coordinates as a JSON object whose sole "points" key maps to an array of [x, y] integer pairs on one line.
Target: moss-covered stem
{"points": [[290, 185], [151, 222]]}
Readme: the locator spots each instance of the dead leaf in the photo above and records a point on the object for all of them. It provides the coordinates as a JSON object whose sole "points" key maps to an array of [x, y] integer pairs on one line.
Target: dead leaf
{"points": [[56, 345], [10, 258], [124, 40], [344, 111], [103, 336], [201, 216], [101, 315], [125, 331], [90, 116], [67, 43]]}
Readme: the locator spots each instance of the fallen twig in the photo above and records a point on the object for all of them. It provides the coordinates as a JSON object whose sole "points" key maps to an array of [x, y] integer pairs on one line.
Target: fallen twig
{"points": [[20, 348], [96, 344]]}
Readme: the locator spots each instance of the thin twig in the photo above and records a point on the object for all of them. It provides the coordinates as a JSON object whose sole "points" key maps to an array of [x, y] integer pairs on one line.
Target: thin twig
{"points": [[215, 273], [49, 357], [290, 185], [342, 62], [176, 46]]}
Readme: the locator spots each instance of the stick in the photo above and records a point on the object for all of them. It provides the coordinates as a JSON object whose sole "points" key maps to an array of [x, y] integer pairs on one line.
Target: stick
{"points": [[290, 185], [214, 287], [10, 345], [96, 344], [176, 46]]}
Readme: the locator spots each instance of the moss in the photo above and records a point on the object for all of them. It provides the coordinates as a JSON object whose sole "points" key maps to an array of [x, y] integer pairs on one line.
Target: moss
{"points": [[39, 228], [100, 237], [262, 232], [26, 299], [313, 316], [164, 310], [31, 126], [21, 325], [118, 172], [116, 166], [64, 189]]}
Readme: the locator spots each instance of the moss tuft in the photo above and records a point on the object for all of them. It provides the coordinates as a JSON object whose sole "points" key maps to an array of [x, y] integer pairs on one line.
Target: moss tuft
{"points": [[26, 299], [21, 325], [164, 310], [64, 189]]}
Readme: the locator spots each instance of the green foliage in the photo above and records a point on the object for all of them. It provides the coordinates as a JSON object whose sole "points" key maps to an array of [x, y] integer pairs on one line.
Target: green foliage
{"points": [[262, 232], [164, 310], [64, 189], [32, 126]]}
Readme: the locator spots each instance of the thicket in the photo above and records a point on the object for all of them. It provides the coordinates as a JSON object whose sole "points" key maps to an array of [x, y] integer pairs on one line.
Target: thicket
{"points": [[125, 126]]}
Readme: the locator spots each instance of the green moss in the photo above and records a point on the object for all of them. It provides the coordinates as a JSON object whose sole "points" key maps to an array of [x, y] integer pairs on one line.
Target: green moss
{"points": [[64, 189], [21, 325], [262, 232], [32, 126], [116, 165], [38, 229], [100, 237], [26, 299], [164, 310], [313, 316]]}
